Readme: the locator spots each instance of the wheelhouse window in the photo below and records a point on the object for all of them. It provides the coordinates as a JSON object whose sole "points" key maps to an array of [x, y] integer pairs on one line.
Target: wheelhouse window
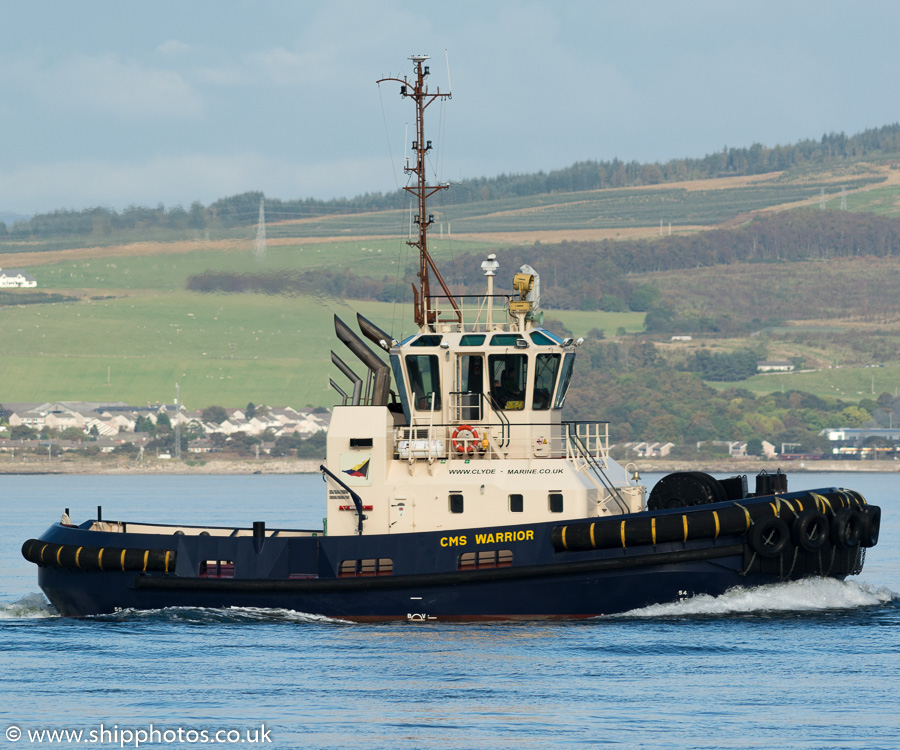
{"points": [[545, 379], [506, 339], [492, 558], [545, 338], [564, 380], [427, 339], [472, 339], [424, 381], [509, 379], [470, 387]]}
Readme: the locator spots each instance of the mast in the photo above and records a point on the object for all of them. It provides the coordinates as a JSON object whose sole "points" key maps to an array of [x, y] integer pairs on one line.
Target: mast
{"points": [[417, 90]]}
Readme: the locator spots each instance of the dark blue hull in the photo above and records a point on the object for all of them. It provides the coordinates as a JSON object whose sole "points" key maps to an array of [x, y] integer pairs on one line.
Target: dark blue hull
{"points": [[512, 572]]}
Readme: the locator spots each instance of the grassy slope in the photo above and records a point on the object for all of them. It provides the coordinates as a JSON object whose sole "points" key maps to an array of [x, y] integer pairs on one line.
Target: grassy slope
{"points": [[160, 335], [225, 349]]}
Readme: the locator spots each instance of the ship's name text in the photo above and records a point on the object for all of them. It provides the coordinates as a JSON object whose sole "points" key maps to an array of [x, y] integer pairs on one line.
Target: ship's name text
{"points": [[523, 535]]}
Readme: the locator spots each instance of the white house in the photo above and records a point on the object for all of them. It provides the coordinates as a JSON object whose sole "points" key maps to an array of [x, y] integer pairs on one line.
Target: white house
{"points": [[11, 279]]}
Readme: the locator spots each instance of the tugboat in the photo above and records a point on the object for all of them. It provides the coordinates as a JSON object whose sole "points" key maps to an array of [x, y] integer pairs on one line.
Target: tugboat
{"points": [[457, 491]]}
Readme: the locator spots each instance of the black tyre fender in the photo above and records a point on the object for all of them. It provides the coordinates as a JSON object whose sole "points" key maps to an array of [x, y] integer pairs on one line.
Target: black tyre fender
{"points": [[810, 530], [845, 528], [769, 536], [869, 525]]}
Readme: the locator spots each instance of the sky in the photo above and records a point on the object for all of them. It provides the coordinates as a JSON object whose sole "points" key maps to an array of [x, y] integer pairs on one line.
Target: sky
{"points": [[146, 103]]}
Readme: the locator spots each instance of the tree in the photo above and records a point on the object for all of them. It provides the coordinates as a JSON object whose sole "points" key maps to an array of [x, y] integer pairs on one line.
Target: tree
{"points": [[215, 414], [250, 411], [754, 447]]}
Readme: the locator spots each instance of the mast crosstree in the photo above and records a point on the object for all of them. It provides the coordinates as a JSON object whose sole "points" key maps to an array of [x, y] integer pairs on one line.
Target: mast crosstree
{"points": [[417, 90]]}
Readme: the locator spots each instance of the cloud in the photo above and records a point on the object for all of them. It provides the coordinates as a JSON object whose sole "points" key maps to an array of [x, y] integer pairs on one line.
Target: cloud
{"points": [[181, 180], [173, 48], [108, 85]]}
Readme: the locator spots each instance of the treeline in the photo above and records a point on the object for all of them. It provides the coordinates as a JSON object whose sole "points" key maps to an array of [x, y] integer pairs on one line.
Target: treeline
{"points": [[243, 209], [645, 398], [599, 275]]}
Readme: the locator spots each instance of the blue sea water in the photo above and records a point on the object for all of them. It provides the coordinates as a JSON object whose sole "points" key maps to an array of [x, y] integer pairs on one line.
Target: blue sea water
{"points": [[812, 664]]}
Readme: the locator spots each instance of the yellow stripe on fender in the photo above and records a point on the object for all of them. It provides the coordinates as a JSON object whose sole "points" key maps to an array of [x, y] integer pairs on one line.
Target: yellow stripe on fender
{"points": [[100, 558], [167, 562], [653, 529], [684, 522], [77, 555], [123, 560], [716, 516], [146, 557], [42, 551], [622, 532], [58, 553], [565, 546], [593, 543]]}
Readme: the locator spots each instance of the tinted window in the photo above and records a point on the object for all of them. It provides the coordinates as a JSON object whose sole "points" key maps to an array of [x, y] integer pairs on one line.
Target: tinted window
{"points": [[509, 379], [545, 379], [472, 339], [427, 340], [556, 502], [456, 503], [424, 381], [516, 504], [564, 380]]}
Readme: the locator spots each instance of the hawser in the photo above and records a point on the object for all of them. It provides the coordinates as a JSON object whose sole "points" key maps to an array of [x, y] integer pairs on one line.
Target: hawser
{"points": [[456, 490]]}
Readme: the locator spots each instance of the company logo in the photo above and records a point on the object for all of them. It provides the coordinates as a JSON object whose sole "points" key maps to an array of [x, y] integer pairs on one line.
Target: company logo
{"points": [[360, 470]]}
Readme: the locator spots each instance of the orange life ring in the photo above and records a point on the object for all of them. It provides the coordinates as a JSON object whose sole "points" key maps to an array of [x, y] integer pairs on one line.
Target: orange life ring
{"points": [[461, 446]]}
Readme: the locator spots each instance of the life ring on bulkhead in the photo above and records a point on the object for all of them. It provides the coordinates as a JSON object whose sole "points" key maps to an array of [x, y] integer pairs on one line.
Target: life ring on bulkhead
{"points": [[465, 445]]}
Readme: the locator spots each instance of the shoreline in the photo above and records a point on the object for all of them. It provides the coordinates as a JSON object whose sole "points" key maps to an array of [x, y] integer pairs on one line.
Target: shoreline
{"points": [[311, 466]]}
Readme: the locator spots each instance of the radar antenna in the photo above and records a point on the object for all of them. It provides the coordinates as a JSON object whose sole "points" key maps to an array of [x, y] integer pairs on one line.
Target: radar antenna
{"points": [[417, 90]]}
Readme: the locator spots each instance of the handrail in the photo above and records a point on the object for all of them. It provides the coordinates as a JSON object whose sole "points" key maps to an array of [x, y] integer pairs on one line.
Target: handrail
{"points": [[598, 470]]}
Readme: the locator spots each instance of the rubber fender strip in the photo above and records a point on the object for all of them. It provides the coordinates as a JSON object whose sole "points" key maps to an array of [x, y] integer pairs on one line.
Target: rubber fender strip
{"points": [[653, 529], [718, 528], [746, 514], [593, 542], [564, 537], [685, 523], [622, 532]]}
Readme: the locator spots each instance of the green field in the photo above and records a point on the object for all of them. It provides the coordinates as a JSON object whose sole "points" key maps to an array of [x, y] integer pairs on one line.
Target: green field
{"points": [[221, 349], [170, 271], [846, 384]]}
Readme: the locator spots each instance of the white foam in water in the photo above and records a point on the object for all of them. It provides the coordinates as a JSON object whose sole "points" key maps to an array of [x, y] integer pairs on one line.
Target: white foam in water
{"points": [[227, 614], [30, 605], [808, 595]]}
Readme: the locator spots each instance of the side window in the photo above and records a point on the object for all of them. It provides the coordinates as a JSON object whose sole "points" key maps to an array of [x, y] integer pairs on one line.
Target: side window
{"points": [[456, 503], [556, 502], [424, 381], [509, 379], [545, 379], [516, 504], [564, 379]]}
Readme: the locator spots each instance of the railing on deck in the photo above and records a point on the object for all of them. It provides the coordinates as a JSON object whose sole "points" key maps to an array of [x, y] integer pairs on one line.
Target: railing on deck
{"points": [[480, 312], [587, 441]]}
